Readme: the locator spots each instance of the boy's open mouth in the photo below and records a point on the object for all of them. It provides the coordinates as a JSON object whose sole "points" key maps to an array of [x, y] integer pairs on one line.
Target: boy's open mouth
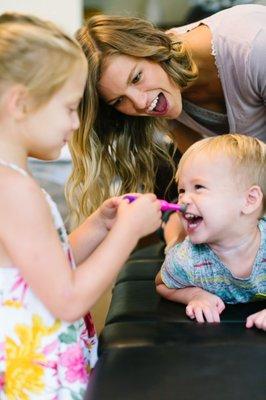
{"points": [[193, 220]]}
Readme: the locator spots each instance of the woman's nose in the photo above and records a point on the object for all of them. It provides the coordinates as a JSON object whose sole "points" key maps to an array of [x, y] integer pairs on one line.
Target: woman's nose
{"points": [[138, 98]]}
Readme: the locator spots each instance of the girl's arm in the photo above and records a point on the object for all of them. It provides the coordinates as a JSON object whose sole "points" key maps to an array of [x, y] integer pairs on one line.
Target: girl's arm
{"points": [[94, 229], [27, 233]]}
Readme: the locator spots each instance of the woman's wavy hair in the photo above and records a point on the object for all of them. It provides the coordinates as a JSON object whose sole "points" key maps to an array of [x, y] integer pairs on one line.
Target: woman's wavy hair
{"points": [[114, 153]]}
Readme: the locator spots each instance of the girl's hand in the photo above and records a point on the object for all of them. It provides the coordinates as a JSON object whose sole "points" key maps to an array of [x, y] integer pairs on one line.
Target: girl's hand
{"points": [[142, 216], [107, 211], [205, 307], [258, 320]]}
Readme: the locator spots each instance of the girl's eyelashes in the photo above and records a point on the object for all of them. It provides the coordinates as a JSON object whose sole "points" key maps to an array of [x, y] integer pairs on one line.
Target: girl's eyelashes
{"points": [[137, 77]]}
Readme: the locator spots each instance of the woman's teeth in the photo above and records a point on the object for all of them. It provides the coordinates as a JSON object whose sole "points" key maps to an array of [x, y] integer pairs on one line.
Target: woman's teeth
{"points": [[153, 104]]}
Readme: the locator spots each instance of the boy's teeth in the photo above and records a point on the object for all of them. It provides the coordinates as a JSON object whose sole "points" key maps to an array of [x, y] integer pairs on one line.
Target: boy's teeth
{"points": [[153, 103], [189, 216]]}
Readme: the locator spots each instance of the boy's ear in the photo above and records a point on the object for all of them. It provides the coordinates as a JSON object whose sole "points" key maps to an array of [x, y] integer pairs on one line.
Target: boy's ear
{"points": [[253, 199], [18, 101]]}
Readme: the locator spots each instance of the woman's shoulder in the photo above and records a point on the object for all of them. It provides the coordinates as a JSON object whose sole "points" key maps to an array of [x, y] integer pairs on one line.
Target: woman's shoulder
{"points": [[237, 19], [238, 24]]}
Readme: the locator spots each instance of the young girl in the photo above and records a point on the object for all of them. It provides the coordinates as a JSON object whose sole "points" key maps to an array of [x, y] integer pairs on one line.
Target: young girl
{"points": [[222, 181], [45, 351]]}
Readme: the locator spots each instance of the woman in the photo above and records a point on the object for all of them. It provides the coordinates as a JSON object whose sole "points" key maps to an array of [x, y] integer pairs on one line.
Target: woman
{"points": [[203, 79]]}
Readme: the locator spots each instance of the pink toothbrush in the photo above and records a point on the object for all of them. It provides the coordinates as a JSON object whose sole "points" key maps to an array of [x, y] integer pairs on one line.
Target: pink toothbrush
{"points": [[165, 206]]}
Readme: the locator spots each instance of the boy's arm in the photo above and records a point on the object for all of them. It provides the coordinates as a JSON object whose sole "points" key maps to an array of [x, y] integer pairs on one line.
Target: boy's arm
{"points": [[178, 295], [201, 305]]}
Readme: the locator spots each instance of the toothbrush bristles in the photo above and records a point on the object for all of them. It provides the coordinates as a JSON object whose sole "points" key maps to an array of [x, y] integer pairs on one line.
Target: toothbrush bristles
{"points": [[183, 208]]}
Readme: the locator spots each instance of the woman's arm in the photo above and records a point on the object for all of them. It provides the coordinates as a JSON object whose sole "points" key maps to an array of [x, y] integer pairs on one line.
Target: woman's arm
{"points": [[183, 136]]}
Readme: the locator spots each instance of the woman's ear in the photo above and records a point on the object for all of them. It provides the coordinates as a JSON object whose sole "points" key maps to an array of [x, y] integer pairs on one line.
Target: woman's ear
{"points": [[17, 98], [253, 200]]}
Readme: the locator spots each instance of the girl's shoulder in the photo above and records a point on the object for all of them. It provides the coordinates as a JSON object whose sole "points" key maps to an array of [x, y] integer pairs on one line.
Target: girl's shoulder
{"points": [[16, 182]]}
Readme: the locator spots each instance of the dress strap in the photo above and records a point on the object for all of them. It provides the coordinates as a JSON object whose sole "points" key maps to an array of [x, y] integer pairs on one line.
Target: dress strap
{"points": [[14, 166]]}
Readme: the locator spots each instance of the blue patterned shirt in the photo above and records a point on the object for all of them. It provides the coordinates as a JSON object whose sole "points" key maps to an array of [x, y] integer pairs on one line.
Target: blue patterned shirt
{"points": [[187, 264]]}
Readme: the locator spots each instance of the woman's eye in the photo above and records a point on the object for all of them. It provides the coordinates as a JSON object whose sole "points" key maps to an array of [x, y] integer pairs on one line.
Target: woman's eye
{"points": [[136, 78], [117, 102], [181, 191]]}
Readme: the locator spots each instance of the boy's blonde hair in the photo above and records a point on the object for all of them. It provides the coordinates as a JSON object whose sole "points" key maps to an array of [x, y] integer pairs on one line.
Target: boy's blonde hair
{"points": [[248, 155], [36, 54]]}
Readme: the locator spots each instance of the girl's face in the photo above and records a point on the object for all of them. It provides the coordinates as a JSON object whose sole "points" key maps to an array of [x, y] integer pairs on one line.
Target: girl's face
{"points": [[207, 185], [51, 126], [138, 87]]}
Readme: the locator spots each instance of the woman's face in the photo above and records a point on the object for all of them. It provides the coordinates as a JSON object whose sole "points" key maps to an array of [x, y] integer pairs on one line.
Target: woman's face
{"points": [[136, 86]]}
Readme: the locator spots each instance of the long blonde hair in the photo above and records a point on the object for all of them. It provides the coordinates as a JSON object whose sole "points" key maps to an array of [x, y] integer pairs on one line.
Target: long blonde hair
{"points": [[36, 54], [111, 147]]}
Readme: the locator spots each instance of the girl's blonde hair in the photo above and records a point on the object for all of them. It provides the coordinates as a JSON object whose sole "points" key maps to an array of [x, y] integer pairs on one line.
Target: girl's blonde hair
{"points": [[248, 156], [36, 54], [111, 146]]}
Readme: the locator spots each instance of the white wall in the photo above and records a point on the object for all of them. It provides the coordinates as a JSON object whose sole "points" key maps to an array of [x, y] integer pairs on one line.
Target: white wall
{"points": [[67, 14]]}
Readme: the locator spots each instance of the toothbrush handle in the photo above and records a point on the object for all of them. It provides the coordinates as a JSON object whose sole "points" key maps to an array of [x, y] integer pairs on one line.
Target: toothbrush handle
{"points": [[165, 206]]}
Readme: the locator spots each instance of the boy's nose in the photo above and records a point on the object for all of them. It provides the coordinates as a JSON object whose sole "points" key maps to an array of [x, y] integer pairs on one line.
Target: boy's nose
{"points": [[185, 199]]}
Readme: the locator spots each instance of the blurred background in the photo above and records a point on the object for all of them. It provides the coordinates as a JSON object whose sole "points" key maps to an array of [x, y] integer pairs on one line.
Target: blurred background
{"points": [[69, 15]]}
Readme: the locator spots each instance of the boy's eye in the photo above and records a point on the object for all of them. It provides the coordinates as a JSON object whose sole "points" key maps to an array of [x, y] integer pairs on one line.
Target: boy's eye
{"points": [[197, 187], [136, 78], [181, 191]]}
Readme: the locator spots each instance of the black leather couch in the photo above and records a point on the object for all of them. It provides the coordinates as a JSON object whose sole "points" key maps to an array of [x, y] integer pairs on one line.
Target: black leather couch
{"points": [[150, 350]]}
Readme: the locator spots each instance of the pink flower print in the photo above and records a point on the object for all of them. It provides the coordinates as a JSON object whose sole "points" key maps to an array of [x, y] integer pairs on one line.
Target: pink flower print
{"points": [[20, 283], [89, 325], [73, 360], [2, 382]]}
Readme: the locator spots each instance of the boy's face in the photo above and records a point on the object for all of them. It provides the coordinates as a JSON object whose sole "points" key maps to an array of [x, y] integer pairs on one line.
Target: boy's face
{"points": [[207, 184]]}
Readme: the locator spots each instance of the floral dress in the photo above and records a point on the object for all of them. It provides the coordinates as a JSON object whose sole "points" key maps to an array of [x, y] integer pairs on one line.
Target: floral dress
{"points": [[41, 357]]}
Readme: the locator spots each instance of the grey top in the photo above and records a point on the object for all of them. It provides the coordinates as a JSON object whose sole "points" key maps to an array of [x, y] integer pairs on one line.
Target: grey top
{"points": [[187, 264], [239, 48], [215, 121]]}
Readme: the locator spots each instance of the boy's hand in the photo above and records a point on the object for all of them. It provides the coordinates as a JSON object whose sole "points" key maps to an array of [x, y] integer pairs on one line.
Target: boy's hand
{"points": [[205, 307], [258, 320]]}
